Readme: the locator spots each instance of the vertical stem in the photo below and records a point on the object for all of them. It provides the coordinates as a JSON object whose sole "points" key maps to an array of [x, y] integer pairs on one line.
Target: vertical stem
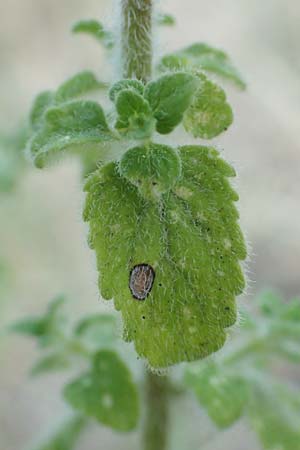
{"points": [[155, 430], [137, 63], [137, 39]]}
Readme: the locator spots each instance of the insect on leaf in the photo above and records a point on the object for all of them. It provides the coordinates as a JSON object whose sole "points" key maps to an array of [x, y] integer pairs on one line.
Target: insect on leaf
{"points": [[190, 238]]}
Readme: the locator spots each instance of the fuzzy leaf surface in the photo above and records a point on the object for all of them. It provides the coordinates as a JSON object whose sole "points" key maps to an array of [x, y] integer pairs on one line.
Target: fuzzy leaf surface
{"points": [[169, 96], [191, 240], [135, 85], [106, 393], [80, 84], [201, 56], [96, 30], [209, 114]]}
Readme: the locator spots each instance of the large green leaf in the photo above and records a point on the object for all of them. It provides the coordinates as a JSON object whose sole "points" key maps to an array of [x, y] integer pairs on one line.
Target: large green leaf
{"points": [[76, 124], [209, 114], [106, 393], [201, 56], [169, 96], [179, 255], [223, 395]]}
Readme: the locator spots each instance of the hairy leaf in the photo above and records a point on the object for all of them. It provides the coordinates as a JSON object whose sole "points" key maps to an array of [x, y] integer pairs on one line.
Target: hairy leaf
{"points": [[80, 84], [201, 56], [135, 118], [153, 168], [96, 30], [40, 105], [66, 127], [106, 393], [135, 85], [223, 395], [178, 256], [169, 96], [209, 114]]}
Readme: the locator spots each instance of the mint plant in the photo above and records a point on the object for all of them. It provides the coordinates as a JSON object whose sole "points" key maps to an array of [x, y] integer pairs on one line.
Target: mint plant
{"points": [[164, 227]]}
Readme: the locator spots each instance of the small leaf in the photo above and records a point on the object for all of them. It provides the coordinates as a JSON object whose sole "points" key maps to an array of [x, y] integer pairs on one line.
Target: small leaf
{"points": [[50, 363], [153, 168], [66, 436], [201, 56], [135, 85], [98, 331], [169, 96], [135, 118], [29, 327], [181, 254], [224, 396], [209, 114], [106, 393], [96, 30], [165, 19], [71, 126], [80, 84]]}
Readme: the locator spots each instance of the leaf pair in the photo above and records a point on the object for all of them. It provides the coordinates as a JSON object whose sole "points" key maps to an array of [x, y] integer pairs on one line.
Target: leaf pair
{"points": [[191, 240], [60, 122], [160, 104]]}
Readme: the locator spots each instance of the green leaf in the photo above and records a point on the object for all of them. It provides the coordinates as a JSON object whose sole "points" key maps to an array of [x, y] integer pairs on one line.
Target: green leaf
{"points": [[153, 168], [209, 114], [171, 266], [106, 393], [50, 363], [29, 327], [223, 395], [71, 126], [96, 30], [80, 84], [40, 105], [169, 96], [98, 331], [135, 85], [274, 415], [165, 19], [201, 56], [66, 436], [135, 118], [270, 303]]}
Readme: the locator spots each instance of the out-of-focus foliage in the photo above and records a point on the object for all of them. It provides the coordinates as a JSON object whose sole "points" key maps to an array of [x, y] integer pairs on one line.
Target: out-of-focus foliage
{"points": [[12, 159]]}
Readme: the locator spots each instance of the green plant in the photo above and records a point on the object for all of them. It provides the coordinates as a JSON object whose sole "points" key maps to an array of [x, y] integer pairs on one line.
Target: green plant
{"points": [[164, 226]]}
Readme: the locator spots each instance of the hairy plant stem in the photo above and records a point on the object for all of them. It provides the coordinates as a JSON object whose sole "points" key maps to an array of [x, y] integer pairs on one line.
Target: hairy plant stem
{"points": [[155, 430], [136, 44], [137, 39]]}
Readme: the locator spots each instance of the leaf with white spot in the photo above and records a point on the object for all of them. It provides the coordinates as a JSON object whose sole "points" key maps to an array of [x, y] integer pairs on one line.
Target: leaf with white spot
{"points": [[106, 393]]}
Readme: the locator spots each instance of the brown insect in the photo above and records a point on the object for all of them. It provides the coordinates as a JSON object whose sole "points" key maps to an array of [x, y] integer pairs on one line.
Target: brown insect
{"points": [[141, 281]]}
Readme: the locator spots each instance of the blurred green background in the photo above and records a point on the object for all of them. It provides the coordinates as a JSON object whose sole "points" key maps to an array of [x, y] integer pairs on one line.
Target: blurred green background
{"points": [[43, 249]]}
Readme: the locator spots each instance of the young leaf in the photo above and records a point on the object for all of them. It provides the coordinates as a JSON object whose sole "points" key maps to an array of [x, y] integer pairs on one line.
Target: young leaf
{"points": [[135, 118], [224, 396], [66, 127], [50, 363], [135, 85], [80, 84], [169, 96], [66, 436], [209, 114], [165, 19], [106, 393], [98, 331], [40, 105], [96, 30], [201, 56], [171, 266], [153, 168]]}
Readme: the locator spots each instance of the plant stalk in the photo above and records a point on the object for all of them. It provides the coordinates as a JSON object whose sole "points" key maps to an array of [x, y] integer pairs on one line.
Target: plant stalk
{"points": [[137, 39], [136, 56], [155, 430]]}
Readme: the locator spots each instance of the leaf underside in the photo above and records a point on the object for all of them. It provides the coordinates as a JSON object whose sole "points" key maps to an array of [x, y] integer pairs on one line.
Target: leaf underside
{"points": [[192, 241]]}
